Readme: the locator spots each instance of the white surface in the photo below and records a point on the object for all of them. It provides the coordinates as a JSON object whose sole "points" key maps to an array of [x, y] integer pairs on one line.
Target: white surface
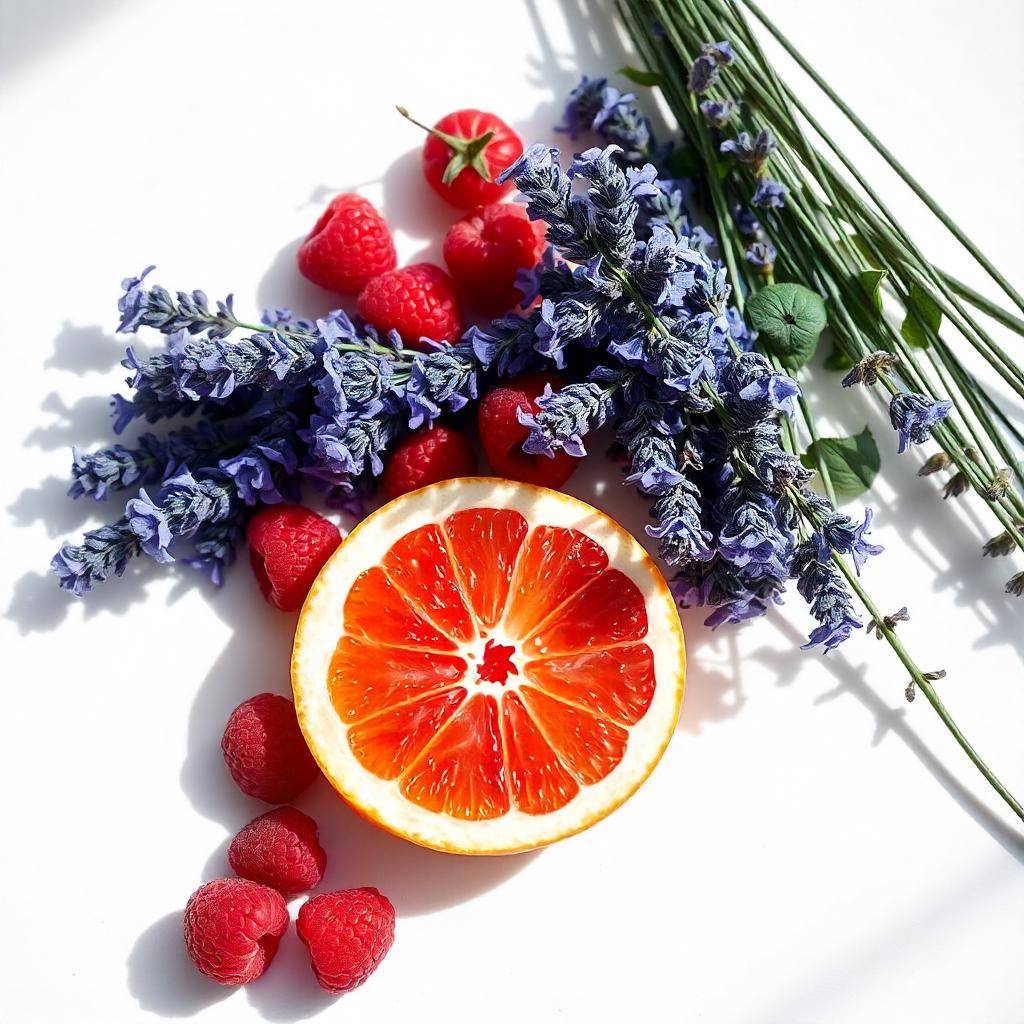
{"points": [[810, 850]]}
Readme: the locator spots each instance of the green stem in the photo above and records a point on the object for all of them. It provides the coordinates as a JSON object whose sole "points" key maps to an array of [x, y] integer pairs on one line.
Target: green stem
{"points": [[870, 137]]}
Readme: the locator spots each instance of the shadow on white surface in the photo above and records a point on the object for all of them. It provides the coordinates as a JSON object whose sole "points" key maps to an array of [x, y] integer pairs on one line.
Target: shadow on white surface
{"points": [[161, 976], [851, 680], [27, 30]]}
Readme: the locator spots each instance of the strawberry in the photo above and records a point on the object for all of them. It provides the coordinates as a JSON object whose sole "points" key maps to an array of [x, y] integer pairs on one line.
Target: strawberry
{"points": [[503, 435], [425, 457], [347, 933], [485, 248], [349, 244], [464, 153], [417, 301], [288, 546]]}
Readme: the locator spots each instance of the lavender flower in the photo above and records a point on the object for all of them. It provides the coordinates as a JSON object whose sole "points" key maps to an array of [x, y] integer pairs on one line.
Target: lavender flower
{"points": [[718, 113], [769, 194], [762, 256], [913, 416], [189, 312], [565, 417], [822, 587], [753, 152]]}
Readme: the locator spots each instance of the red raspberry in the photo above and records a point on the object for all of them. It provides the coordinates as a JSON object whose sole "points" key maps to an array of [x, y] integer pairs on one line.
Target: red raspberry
{"points": [[232, 928], [265, 751], [348, 245], [464, 152], [417, 301], [503, 435], [486, 248], [348, 934], [288, 546], [439, 453], [279, 849]]}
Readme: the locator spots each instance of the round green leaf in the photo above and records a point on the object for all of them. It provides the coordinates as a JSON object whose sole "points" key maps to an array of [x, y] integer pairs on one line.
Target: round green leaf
{"points": [[790, 319]]}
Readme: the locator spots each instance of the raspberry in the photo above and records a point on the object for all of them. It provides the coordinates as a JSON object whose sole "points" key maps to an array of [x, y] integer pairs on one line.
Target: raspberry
{"points": [[485, 248], [265, 751], [348, 934], [348, 245], [232, 928], [279, 849], [464, 153], [417, 301], [288, 546], [439, 453], [503, 435]]}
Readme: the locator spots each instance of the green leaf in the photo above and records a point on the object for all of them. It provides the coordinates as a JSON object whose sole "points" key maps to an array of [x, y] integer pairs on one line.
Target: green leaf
{"points": [[871, 282], [921, 303], [651, 78], [837, 360], [790, 318], [862, 247], [852, 462]]}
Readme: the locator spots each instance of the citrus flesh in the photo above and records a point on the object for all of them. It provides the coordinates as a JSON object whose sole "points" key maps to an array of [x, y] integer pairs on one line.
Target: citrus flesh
{"points": [[486, 666]]}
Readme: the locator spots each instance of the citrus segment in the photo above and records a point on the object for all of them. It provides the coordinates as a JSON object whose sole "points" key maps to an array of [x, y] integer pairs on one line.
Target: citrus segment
{"points": [[376, 609], [609, 610], [388, 742], [540, 783], [615, 683], [462, 773], [506, 668], [419, 565], [365, 677], [486, 542], [553, 565], [589, 746]]}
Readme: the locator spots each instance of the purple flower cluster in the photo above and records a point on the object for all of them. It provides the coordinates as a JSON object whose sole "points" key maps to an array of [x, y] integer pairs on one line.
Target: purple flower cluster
{"points": [[636, 310], [289, 400]]}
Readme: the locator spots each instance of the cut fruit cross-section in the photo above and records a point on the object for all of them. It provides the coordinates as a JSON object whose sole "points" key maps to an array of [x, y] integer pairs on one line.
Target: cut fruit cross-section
{"points": [[485, 666]]}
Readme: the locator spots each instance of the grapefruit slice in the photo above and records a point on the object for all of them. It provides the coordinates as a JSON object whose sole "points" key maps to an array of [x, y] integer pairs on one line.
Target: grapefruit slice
{"points": [[486, 666]]}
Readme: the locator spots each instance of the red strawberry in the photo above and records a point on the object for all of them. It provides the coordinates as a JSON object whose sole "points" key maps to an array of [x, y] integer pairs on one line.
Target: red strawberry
{"points": [[464, 153], [348, 245], [232, 928], [348, 933], [279, 849], [288, 546], [417, 301], [485, 248], [265, 751], [503, 435], [425, 457]]}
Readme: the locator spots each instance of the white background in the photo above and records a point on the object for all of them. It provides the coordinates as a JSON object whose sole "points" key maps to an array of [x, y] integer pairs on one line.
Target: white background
{"points": [[811, 849]]}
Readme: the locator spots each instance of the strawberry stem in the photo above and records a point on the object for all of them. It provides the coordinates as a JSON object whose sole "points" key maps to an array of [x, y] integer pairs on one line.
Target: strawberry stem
{"points": [[465, 152]]}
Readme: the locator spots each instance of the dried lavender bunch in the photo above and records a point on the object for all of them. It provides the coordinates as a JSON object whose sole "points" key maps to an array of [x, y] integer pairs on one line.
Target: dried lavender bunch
{"points": [[292, 400], [698, 415]]}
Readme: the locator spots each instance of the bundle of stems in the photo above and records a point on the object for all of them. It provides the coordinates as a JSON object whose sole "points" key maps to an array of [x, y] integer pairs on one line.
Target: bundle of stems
{"points": [[834, 239], [836, 235]]}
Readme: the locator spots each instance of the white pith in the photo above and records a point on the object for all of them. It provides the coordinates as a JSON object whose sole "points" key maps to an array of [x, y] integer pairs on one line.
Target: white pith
{"points": [[321, 625]]}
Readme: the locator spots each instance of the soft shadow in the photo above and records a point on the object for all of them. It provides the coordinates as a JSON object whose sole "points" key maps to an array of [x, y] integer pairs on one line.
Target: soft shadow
{"points": [[713, 689], [28, 29], [84, 423], [38, 605], [852, 680], [162, 978], [411, 206], [283, 285], [81, 349], [48, 505], [289, 991]]}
